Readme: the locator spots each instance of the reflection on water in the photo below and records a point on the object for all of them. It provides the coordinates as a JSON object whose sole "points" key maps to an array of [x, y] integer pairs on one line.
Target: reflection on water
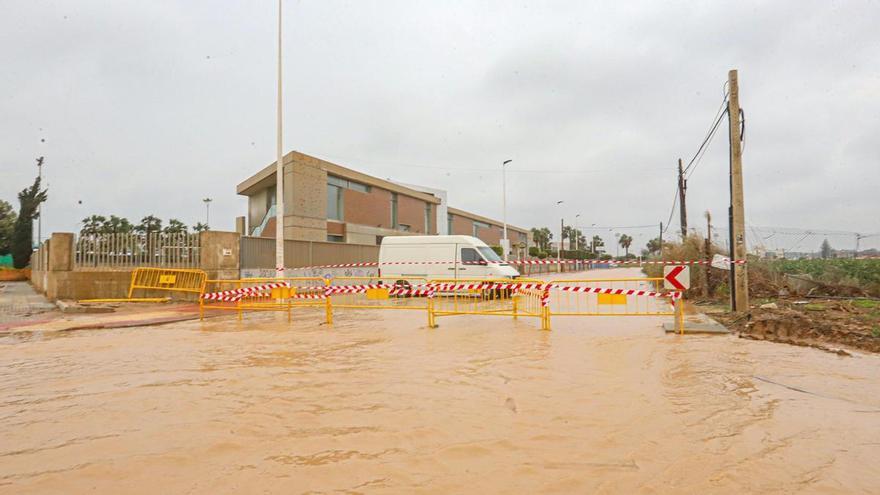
{"points": [[380, 404]]}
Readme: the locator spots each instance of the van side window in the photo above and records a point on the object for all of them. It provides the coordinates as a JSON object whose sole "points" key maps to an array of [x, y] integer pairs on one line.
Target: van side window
{"points": [[470, 255]]}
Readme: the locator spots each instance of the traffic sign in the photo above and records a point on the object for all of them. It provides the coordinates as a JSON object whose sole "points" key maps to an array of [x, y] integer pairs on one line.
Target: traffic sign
{"points": [[677, 277]]}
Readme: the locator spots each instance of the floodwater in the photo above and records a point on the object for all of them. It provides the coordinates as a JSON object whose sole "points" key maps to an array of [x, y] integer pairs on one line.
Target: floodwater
{"points": [[380, 404]]}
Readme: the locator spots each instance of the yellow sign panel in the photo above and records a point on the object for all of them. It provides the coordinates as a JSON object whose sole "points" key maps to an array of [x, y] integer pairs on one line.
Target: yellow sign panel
{"points": [[167, 279], [283, 292], [377, 294], [612, 298]]}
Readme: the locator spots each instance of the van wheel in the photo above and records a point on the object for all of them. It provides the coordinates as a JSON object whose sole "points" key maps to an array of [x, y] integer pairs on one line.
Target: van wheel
{"points": [[404, 284]]}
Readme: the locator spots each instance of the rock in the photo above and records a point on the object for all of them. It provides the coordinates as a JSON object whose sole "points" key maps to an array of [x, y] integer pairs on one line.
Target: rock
{"points": [[769, 306]]}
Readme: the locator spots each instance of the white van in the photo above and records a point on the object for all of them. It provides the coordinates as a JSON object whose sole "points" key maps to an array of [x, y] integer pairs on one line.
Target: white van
{"points": [[441, 256]]}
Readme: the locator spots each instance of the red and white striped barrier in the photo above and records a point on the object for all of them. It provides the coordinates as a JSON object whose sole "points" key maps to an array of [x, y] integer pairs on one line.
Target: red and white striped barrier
{"points": [[548, 261], [242, 291], [217, 296], [673, 296]]}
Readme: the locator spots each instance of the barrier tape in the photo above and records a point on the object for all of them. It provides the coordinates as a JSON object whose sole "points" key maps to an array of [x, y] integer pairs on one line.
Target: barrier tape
{"points": [[674, 296], [216, 296], [368, 264]]}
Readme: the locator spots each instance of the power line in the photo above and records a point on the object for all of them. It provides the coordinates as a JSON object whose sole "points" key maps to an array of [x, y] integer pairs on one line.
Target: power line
{"points": [[715, 121]]}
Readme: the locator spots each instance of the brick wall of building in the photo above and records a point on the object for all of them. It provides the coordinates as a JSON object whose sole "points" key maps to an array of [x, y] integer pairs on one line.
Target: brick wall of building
{"points": [[372, 208], [411, 211]]}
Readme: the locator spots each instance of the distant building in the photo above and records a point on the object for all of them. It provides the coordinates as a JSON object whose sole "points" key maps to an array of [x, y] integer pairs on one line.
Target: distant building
{"points": [[327, 202]]}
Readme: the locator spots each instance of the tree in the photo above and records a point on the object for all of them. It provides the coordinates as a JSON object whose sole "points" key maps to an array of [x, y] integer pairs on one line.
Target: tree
{"points": [[116, 225], [653, 245], [575, 237], [625, 241], [826, 249], [29, 200], [93, 225], [7, 226], [542, 237], [597, 243], [175, 226], [202, 227], [148, 225]]}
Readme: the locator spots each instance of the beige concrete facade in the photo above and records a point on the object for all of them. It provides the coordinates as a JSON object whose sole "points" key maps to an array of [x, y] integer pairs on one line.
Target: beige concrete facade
{"points": [[367, 207]]}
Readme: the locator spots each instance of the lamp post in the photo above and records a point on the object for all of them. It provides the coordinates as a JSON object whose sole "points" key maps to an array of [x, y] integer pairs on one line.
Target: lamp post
{"points": [[279, 174], [561, 230], [207, 202], [505, 242]]}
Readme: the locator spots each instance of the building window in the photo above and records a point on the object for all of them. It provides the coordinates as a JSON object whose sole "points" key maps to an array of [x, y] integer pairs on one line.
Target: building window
{"points": [[394, 210], [478, 226], [404, 227], [428, 218], [347, 184], [270, 197], [334, 202], [449, 224], [335, 238]]}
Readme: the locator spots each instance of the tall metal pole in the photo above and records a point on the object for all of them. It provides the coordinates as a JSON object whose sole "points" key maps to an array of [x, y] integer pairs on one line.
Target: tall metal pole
{"points": [[506, 244], [40, 206], [661, 240], [561, 243], [207, 202], [279, 174], [739, 296]]}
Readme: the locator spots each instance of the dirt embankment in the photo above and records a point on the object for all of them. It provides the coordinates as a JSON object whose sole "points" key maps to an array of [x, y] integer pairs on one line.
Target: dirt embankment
{"points": [[821, 323]]}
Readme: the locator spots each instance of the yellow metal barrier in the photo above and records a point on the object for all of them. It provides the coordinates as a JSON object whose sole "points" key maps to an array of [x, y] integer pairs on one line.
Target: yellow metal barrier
{"points": [[302, 292], [498, 297], [376, 293], [625, 297], [163, 279]]}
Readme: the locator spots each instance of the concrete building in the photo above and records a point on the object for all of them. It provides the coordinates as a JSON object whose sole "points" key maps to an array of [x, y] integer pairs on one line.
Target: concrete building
{"points": [[327, 202]]}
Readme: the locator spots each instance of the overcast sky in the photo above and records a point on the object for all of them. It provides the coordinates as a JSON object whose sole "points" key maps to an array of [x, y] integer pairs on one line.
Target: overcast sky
{"points": [[146, 107]]}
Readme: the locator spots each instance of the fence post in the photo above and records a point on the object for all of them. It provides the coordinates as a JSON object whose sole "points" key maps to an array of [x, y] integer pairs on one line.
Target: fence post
{"points": [[679, 315], [328, 305]]}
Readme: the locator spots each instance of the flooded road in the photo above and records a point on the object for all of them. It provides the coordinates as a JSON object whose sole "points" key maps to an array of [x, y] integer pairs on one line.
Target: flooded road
{"points": [[380, 404]]}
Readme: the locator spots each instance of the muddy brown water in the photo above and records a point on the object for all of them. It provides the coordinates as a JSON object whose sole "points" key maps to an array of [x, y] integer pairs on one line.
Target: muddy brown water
{"points": [[380, 404]]}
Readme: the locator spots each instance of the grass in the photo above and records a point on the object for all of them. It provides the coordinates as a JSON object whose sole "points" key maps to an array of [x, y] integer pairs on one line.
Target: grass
{"points": [[815, 307], [875, 332], [866, 303], [856, 273]]}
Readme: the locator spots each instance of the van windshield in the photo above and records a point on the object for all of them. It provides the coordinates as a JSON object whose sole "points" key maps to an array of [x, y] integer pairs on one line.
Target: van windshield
{"points": [[488, 253]]}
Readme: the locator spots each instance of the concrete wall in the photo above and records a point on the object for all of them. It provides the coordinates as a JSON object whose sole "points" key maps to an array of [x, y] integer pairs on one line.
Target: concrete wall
{"points": [[62, 280]]}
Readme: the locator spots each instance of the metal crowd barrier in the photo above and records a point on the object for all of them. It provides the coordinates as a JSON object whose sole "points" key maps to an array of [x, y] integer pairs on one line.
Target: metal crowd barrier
{"points": [[448, 297]]}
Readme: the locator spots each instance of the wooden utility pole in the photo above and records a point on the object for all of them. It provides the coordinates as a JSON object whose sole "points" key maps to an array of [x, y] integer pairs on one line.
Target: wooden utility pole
{"points": [[682, 189], [739, 294], [707, 291]]}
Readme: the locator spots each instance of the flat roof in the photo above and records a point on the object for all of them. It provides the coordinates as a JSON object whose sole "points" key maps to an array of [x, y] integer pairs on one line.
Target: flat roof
{"points": [[266, 177], [480, 218]]}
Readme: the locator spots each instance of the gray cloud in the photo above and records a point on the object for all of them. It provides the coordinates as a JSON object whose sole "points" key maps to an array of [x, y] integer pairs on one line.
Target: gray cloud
{"points": [[147, 107]]}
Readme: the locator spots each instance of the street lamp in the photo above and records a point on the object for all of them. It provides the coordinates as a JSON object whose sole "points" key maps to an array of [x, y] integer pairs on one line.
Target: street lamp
{"points": [[561, 229], [505, 243], [207, 202]]}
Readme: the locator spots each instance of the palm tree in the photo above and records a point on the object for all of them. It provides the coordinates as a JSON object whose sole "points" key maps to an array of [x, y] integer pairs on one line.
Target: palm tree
{"points": [[116, 225], [148, 225], [597, 243], [626, 242], [93, 225], [175, 226], [200, 227]]}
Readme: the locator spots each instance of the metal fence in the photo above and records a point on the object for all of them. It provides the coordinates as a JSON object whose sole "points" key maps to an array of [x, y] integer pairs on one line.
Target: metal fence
{"points": [[115, 251], [259, 252]]}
